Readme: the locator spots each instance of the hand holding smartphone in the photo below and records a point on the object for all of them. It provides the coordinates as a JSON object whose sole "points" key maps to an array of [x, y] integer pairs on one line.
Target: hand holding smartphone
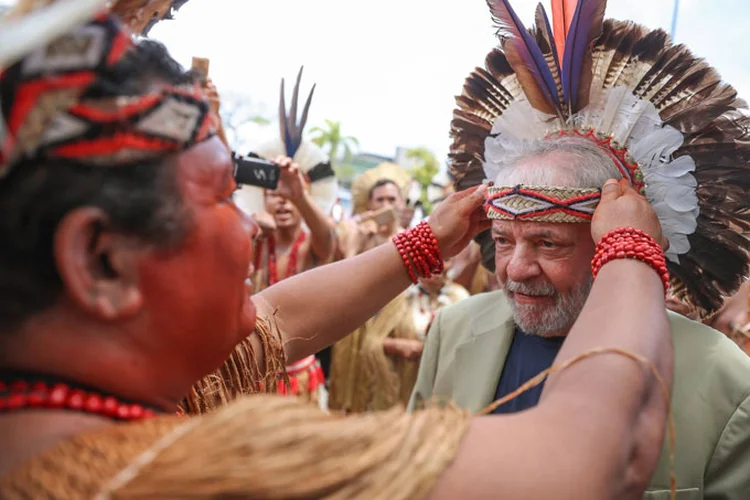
{"points": [[382, 217], [200, 67]]}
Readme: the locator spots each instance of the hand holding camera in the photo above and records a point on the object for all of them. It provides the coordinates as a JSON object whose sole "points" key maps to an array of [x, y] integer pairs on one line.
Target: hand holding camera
{"points": [[291, 180]]}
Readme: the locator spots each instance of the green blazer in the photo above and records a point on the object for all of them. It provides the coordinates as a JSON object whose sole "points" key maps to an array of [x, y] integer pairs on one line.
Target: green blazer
{"points": [[466, 349]]}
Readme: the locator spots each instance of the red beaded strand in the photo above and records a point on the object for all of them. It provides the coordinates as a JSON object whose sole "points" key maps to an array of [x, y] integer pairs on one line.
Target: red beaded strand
{"points": [[630, 243], [39, 395], [419, 251], [429, 242], [403, 247], [291, 267]]}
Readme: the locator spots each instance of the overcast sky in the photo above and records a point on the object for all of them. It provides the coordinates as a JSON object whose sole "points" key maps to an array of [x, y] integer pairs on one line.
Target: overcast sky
{"points": [[389, 70]]}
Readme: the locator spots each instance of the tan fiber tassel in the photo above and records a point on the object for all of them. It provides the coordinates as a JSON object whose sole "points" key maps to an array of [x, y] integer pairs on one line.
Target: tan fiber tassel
{"points": [[273, 447], [241, 374]]}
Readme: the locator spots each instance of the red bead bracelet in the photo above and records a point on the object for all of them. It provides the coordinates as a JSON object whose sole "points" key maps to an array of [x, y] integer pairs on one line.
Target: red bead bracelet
{"points": [[419, 251], [630, 243]]}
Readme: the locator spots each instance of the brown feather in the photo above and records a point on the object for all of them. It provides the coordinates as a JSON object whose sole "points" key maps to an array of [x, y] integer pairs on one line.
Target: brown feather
{"points": [[699, 113], [613, 51]]}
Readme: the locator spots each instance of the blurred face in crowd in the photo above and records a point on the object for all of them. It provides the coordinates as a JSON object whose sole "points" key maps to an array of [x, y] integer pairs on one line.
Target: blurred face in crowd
{"points": [[284, 213], [386, 195]]}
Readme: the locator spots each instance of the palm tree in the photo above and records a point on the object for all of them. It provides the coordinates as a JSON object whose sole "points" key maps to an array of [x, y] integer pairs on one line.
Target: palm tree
{"points": [[425, 169], [330, 138]]}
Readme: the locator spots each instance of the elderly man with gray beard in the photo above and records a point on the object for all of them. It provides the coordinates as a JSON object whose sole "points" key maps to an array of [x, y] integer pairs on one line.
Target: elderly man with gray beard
{"points": [[487, 346]]}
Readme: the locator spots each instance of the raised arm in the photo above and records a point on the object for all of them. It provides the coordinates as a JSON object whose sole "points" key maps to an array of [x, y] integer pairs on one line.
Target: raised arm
{"points": [[598, 429], [292, 187], [318, 307], [321, 228]]}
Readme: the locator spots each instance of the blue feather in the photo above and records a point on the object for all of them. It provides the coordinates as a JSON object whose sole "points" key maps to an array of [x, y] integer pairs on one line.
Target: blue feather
{"points": [[291, 131]]}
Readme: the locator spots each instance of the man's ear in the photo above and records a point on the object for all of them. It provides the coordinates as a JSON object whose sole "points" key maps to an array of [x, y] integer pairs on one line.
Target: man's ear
{"points": [[98, 267]]}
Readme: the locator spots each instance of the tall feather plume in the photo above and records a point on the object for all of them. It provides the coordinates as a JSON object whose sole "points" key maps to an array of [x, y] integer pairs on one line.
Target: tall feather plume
{"points": [[306, 110], [291, 131], [526, 58], [283, 130], [562, 15], [546, 41], [585, 30], [292, 118]]}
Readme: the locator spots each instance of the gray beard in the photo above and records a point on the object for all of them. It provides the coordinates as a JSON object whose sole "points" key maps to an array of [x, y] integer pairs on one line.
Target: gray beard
{"points": [[547, 320]]}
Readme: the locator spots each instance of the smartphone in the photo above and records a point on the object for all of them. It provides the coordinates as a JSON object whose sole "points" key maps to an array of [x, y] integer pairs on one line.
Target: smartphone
{"points": [[200, 67], [382, 217]]}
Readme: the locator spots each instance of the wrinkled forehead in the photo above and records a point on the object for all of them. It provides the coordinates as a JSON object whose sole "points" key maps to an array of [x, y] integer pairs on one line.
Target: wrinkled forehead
{"points": [[541, 230], [549, 169]]}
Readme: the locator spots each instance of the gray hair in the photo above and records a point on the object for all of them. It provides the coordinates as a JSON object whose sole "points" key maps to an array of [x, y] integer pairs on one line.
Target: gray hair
{"points": [[589, 165]]}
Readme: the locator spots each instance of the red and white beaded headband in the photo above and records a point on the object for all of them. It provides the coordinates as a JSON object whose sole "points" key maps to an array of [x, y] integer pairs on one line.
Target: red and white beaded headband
{"points": [[541, 203]]}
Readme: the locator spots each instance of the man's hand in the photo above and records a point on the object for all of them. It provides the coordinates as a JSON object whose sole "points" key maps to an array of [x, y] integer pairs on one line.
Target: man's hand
{"points": [[622, 206], [408, 349], [459, 218], [367, 225], [733, 314], [291, 181]]}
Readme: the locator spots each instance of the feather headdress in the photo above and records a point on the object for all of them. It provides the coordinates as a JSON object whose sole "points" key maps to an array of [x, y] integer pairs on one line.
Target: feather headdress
{"points": [[664, 116], [313, 161]]}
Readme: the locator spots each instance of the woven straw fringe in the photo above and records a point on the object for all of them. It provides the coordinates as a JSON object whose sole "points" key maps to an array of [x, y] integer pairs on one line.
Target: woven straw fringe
{"points": [[268, 447], [276, 447], [363, 377], [241, 374]]}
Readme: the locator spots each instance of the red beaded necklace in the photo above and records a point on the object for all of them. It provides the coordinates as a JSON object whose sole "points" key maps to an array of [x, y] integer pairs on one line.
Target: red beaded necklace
{"points": [[291, 268], [22, 394]]}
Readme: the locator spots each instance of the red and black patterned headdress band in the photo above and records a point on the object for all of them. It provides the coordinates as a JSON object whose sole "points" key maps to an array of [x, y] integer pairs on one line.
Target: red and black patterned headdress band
{"points": [[48, 113], [541, 203]]}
